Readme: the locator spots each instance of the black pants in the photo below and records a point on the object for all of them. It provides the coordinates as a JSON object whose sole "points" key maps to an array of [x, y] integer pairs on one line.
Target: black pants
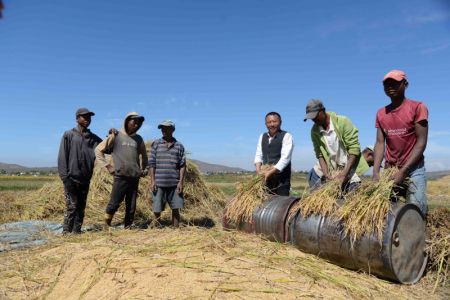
{"points": [[279, 186], [76, 195], [124, 187]]}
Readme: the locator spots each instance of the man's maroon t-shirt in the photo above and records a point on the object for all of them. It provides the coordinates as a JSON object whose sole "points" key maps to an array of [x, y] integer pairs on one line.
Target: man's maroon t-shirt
{"points": [[398, 126]]}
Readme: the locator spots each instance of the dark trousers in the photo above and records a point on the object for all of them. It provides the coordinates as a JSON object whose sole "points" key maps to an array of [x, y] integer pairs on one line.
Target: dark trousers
{"points": [[124, 187], [75, 195], [278, 186]]}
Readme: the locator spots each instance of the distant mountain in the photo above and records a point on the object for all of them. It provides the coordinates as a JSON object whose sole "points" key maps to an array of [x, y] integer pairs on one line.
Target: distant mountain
{"points": [[203, 167], [437, 174], [13, 168], [213, 168]]}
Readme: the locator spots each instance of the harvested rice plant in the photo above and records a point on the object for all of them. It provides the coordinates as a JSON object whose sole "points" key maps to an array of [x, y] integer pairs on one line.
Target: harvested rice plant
{"points": [[365, 210], [249, 195]]}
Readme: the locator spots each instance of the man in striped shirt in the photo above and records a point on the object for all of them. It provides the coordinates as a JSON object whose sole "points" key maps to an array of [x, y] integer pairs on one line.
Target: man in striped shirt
{"points": [[167, 168]]}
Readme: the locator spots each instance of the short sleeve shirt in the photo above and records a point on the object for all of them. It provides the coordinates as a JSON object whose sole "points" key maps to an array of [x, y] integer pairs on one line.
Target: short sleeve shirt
{"points": [[398, 126]]}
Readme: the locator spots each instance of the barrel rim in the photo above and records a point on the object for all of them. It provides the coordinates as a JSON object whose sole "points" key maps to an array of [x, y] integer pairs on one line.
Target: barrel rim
{"points": [[398, 211]]}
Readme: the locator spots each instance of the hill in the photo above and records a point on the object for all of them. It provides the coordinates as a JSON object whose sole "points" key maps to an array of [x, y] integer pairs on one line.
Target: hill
{"points": [[437, 174], [14, 168], [205, 168]]}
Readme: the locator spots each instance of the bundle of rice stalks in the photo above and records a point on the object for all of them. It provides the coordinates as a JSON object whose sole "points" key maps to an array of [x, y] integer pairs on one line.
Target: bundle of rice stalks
{"points": [[438, 244], [249, 195], [320, 202], [364, 210]]}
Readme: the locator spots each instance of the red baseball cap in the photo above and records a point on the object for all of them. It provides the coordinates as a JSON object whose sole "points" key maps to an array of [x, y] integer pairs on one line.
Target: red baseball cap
{"points": [[397, 75]]}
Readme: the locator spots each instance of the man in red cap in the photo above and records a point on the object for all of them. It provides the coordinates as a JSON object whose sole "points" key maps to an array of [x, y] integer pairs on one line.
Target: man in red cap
{"points": [[402, 127]]}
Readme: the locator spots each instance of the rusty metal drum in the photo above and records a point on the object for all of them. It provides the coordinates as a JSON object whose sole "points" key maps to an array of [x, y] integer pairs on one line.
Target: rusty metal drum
{"points": [[270, 218], [247, 226], [400, 257]]}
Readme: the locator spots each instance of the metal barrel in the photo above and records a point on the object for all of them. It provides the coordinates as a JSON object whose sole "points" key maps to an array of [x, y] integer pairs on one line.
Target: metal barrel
{"points": [[248, 227], [271, 218], [400, 257]]}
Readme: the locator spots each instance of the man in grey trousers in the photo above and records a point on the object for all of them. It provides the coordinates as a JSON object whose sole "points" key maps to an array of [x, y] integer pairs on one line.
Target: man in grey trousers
{"points": [[75, 167]]}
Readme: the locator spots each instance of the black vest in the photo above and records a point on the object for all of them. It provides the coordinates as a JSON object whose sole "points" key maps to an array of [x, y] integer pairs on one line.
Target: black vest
{"points": [[272, 154]]}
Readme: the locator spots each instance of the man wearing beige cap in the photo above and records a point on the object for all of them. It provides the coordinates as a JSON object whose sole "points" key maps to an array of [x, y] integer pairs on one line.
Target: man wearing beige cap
{"points": [[129, 157], [167, 168], [402, 127], [336, 145]]}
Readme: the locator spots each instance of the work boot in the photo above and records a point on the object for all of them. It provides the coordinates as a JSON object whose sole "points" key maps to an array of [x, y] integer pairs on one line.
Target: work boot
{"points": [[108, 219]]}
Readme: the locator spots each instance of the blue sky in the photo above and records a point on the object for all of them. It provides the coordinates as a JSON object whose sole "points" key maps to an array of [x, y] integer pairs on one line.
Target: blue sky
{"points": [[216, 68]]}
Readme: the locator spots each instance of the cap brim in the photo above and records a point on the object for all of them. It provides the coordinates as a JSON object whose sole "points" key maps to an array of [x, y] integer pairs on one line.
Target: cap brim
{"points": [[310, 115], [137, 117], [162, 125], [87, 113]]}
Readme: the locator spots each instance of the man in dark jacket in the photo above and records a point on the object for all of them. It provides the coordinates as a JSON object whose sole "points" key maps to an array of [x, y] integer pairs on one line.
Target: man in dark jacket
{"points": [[75, 166], [130, 163]]}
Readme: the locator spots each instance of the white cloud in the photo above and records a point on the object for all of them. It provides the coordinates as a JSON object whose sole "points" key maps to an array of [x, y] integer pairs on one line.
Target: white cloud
{"points": [[434, 164], [303, 158], [335, 26], [435, 48], [437, 149], [433, 134], [145, 130], [427, 17]]}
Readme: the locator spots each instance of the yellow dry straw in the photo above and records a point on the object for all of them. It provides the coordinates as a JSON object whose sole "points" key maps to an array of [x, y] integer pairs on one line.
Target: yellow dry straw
{"points": [[438, 245], [249, 195], [321, 202], [49, 202], [364, 210]]}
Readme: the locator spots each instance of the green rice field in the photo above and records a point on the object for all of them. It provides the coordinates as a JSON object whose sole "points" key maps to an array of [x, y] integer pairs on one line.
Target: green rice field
{"points": [[24, 183]]}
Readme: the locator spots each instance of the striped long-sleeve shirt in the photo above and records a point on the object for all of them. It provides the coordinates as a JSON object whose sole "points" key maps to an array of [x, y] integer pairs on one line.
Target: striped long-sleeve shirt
{"points": [[167, 159]]}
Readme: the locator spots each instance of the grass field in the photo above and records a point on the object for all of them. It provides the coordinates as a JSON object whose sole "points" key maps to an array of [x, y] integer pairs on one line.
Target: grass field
{"points": [[438, 190], [24, 183], [227, 182]]}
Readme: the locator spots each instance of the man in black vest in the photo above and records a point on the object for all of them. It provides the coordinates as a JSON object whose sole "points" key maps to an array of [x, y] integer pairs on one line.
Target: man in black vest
{"points": [[274, 148]]}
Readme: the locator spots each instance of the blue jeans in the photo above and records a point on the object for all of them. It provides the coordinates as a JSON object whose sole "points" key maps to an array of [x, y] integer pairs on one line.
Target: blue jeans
{"points": [[417, 188], [313, 179], [315, 182]]}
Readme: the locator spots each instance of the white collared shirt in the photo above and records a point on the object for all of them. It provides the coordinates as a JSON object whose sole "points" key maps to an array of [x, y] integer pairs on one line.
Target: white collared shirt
{"points": [[337, 152], [286, 151]]}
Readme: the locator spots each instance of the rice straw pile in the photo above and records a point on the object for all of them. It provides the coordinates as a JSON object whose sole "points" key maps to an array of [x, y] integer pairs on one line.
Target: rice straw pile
{"points": [[438, 245], [364, 210], [49, 203], [320, 202], [249, 195], [200, 197]]}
